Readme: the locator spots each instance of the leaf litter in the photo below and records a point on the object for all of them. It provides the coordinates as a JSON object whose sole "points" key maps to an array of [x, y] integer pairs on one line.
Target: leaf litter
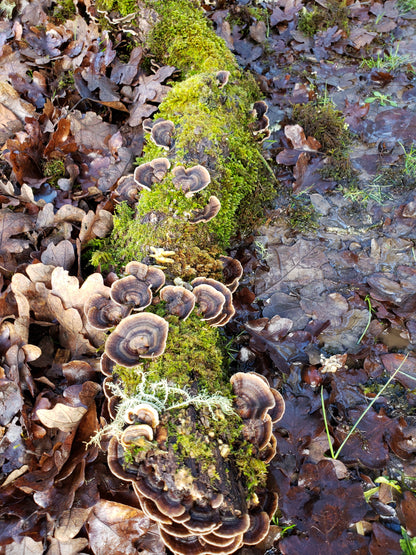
{"points": [[65, 146]]}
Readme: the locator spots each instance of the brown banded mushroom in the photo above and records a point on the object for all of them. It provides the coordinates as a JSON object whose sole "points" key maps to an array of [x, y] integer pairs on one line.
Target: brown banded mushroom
{"points": [[103, 313], [145, 414], [228, 310], [232, 271], [138, 336], [269, 452], [131, 292], [222, 78], [136, 434], [257, 431], [148, 123], [150, 509], [155, 277], [232, 525], [177, 529], [261, 123], [210, 301], [106, 365], [151, 172], [258, 529], [162, 133], [277, 412], [253, 395], [207, 213], [191, 180], [127, 189], [114, 455], [179, 301]]}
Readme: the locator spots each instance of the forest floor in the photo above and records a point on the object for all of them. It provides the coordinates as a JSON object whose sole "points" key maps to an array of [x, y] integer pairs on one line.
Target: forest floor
{"points": [[326, 309]]}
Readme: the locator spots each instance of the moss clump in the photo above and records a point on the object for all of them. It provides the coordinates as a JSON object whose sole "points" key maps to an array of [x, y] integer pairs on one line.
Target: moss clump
{"points": [[324, 123], [54, 169], [193, 357], [302, 215], [184, 38], [320, 18], [64, 10], [124, 7]]}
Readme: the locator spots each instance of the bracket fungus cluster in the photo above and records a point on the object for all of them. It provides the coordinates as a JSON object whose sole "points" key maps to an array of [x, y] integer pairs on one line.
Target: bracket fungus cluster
{"points": [[190, 453], [260, 126], [197, 515]]}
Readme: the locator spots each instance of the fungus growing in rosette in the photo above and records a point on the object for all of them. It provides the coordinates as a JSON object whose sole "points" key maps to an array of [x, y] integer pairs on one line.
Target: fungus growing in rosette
{"points": [[191, 180], [138, 336], [210, 301], [162, 133], [227, 311], [155, 277], [232, 271], [143, 413], [253, 396], [103, 313], [136, 434], [179, 301], [151, 172], [207, 213], [127, 189], [131, 292]]}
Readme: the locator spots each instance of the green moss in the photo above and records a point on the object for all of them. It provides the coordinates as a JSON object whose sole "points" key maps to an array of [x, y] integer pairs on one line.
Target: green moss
{"points": [[184, 38], [320, 18], [302, 215], [54, 169], [64, 10], [193, 357], [124, 7]]}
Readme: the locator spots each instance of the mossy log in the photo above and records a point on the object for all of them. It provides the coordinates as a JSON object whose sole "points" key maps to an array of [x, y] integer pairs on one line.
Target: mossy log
{"points": [[202, 460], [212, 128]]}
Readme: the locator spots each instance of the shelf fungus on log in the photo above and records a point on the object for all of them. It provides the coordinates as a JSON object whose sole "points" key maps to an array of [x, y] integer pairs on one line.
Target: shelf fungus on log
{"points": [[207, 213], [152, 172], [232, 272], [210, 301], [138, 336], [103, 313], [179, 301], [162, 133], [131, 292], [199, 511], [192, 180], [228, 310], [155, 277]]}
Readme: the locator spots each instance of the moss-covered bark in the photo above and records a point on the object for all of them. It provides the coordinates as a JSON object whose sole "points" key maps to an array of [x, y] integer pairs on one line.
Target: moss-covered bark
{"points": [[212, 128]]}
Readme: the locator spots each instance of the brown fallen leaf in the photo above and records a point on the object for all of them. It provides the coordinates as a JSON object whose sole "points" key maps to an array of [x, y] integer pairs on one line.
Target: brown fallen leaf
{"points": [[61, 254], [63, 417], [70, 547], [114, 528]]}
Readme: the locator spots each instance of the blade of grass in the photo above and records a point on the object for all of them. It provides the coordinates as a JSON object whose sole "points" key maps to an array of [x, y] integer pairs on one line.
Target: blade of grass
{"points": [[368, 300], [369, 407], [326, 423]]}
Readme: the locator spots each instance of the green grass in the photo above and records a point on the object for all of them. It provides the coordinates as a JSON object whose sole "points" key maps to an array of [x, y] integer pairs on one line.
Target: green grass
{"points": [[354, 427], [409, 160], [406, 5], [386, 62]]}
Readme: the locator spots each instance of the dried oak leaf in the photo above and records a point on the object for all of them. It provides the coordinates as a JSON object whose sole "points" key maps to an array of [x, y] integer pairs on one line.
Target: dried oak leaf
{"points": [[323, 508], [69, 547], [300, 263], [27, 546], [407, 512], [407, 373], [63, 417], [61, 255], [114, 528], [12, 224], [367, 445], [384, 541]]}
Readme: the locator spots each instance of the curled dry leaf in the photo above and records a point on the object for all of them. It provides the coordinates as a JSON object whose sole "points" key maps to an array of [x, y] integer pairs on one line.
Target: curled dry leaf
{"points": [[61, 255], [114, 528], [63, 417]]}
